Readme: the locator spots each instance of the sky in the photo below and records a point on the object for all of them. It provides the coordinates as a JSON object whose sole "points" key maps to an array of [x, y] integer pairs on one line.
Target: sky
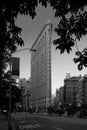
{"points": [[61, 64]]}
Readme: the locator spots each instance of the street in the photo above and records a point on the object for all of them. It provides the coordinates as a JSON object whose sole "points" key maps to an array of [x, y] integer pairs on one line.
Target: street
{"points": [[38, 122]]}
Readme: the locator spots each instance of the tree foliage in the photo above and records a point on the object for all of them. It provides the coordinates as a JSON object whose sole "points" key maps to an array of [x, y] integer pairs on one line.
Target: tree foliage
{"points": [[4, 93], [9, 32], [71, 27]]}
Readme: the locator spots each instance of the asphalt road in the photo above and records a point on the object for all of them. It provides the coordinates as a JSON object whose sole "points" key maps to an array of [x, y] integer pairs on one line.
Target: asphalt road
{"points": [[35, 122]]}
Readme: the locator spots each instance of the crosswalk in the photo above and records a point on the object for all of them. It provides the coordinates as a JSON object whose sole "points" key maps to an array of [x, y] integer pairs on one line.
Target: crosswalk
{"points": [[22, 124], [29, 126]]}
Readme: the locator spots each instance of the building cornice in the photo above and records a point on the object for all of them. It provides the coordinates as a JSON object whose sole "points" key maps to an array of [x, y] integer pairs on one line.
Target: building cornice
{"points": [[47, 23]]}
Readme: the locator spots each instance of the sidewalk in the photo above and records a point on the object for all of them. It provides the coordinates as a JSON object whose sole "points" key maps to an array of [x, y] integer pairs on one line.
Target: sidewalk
{"points": [[3, 122]]}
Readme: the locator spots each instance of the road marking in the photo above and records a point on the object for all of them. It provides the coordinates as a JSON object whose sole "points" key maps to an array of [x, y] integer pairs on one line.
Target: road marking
{"points": [[29, 126], [27, 121], [24, 121], [58, 128], [25, 127]]}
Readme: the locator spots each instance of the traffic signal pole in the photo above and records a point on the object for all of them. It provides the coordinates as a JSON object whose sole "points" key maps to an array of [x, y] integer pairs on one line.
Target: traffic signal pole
{"points": [[10, 81]]}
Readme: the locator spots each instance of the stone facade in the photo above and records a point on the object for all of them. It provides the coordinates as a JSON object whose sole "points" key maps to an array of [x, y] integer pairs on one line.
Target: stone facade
{"points": [[41, 69]]}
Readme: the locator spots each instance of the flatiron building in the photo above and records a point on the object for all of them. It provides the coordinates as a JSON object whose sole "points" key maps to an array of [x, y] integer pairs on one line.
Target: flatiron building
{"points": [[41, 69]]}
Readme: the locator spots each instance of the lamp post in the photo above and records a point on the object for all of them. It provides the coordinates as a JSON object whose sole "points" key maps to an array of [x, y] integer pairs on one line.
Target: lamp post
{"points": [[10, 80]]}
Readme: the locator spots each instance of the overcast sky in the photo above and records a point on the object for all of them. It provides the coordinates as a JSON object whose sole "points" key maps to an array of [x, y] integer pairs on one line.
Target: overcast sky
{"points": [[61, 64]]}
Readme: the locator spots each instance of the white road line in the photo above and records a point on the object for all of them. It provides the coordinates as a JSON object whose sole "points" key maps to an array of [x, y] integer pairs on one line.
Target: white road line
{"points": [[58, 128], [23, 121], [29, 126], [27, 121]]}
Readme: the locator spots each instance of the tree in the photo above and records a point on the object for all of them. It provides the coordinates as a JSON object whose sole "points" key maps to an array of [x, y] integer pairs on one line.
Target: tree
{"points": [[71, 27], [9, 37], [9, 32], [4, 93]]}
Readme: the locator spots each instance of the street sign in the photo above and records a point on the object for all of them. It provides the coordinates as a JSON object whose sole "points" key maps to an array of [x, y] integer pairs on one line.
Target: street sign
{"points": [[15, 67]]}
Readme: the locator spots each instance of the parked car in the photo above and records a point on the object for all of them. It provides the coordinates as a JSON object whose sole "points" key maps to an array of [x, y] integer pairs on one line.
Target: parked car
{"points": [[81, 114], [60, 111]]}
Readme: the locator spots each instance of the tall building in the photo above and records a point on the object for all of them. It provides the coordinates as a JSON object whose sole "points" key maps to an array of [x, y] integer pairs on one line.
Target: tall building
{"points": [[62, 95], [41, 69], [25, 89], [70, 89], [82, 92], [57, 98]]}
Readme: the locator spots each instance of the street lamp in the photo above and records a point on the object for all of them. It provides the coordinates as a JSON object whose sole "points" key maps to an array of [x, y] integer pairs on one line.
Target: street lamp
{"points": [[10, 80]]}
